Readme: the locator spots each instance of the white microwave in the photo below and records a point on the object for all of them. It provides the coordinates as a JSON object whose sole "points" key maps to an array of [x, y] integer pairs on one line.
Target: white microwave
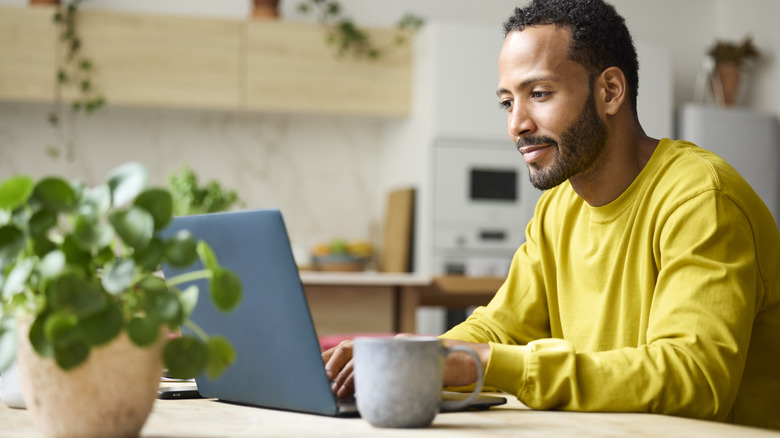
{"points": [[483, 201]]}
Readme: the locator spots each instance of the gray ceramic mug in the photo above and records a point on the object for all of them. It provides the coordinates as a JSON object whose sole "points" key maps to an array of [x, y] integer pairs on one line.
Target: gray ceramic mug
{"points": [[398, 381]]}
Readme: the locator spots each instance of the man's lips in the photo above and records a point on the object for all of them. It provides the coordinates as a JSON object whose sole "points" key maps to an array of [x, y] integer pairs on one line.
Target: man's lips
{"points": [[533, 152]]}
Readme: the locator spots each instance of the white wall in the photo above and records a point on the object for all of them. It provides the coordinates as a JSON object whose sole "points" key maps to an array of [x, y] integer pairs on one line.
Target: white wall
{"points": [[322, 171]]}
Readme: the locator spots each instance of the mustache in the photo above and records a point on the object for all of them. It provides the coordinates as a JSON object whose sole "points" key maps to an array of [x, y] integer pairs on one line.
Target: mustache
{"points": [[535, 141]]}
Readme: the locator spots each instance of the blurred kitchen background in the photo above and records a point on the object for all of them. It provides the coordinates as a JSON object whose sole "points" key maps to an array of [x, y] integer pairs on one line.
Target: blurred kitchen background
{"points": [[332, 138]]}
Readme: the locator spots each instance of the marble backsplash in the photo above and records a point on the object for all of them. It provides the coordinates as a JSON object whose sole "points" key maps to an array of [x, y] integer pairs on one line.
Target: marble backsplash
{"points": [[320, 171]]}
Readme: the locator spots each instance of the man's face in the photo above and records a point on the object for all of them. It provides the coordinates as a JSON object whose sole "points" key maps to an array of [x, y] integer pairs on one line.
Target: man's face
{"points": [[552, 113]]}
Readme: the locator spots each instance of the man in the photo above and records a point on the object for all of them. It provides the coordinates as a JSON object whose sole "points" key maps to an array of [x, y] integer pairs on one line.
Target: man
{"points": [[649, 277]]}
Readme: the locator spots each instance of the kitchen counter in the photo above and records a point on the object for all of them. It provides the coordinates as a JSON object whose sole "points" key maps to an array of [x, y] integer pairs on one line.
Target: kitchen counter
{"points": [[374, 302]]}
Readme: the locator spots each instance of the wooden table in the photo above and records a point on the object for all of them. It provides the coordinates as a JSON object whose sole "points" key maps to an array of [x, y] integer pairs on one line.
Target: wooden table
{"points": [[384, 302], [210, 418]]}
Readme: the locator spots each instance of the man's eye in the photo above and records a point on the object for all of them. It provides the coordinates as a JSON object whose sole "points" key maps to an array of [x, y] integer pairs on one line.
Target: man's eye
{"points": [[505, 104], [539, 94]]}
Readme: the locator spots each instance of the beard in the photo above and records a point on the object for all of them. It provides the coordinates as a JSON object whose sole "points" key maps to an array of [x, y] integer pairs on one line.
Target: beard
{"points": [[580, 145]]}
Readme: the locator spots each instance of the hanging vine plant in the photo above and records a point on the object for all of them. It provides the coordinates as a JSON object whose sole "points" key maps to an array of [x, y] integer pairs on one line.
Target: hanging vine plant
{"points": [[74, 72], [346, 36]]}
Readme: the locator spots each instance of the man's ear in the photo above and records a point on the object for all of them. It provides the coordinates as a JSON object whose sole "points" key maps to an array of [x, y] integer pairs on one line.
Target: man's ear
{"points": [[614, 89]]}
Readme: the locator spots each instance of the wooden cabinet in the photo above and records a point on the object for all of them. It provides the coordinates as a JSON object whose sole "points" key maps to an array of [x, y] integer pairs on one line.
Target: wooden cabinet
{"points": [[188, 62], [291, 69], [27, 54], [155, 60]]}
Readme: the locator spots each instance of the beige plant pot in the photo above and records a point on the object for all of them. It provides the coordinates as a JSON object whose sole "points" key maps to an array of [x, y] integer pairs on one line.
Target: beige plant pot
{"points": [[109, 395], [265, 9], [726, 83]]}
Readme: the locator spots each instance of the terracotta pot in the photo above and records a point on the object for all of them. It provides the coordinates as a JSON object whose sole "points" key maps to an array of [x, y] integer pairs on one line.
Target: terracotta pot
{"points": [[727, 77], [266, 9], [110, 394]]}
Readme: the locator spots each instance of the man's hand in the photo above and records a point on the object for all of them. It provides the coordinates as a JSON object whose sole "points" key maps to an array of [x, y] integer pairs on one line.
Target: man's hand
{"points": [[460, 369], [339, 368]]}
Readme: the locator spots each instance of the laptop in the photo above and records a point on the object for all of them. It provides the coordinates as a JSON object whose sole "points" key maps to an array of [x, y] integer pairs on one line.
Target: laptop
{"points": [[279, 361]]}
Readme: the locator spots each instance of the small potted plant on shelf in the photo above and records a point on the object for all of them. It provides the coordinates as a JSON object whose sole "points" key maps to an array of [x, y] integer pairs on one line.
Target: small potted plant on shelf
{"points": [[729, 63], [190, 197], [79, 282]]}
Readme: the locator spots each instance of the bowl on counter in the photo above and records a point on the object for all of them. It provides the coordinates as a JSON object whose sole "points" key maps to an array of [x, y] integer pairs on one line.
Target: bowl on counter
{"points": [[339, 263]]}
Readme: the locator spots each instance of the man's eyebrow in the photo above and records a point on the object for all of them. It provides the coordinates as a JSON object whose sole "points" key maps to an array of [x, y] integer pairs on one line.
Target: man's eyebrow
{"points": [[528, 82]]}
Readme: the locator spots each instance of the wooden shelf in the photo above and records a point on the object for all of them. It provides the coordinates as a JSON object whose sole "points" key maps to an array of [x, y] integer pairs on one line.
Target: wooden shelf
{"points": [[187, 62]]}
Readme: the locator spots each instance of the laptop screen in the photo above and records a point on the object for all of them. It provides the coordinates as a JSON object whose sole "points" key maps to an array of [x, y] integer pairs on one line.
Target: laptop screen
{"points": [[278, 364]]}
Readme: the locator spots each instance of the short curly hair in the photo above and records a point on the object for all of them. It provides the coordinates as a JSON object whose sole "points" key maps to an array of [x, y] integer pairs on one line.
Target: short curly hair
{"points": [[600, 38]]}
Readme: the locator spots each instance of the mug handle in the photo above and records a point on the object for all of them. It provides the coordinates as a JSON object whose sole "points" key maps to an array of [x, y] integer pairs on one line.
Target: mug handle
{"points": [[456, 405]]}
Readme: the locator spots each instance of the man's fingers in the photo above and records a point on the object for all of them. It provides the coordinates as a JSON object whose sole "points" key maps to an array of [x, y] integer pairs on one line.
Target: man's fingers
{"points": [[344, 383], [337, 358]]}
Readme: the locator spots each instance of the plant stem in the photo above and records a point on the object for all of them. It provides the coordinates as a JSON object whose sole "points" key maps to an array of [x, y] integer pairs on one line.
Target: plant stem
{"points": [[189, 276], [198, 331]]}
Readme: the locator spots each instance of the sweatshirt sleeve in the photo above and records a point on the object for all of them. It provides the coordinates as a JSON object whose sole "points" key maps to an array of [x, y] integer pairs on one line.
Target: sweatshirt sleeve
{"points": [[704, 303]]}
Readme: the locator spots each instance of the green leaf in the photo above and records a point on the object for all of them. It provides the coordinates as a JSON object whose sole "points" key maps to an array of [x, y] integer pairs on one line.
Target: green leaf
{"points": [[185, 357], [118, 275], [42, 221], [143, 331], [159, 203], [207, 256], [189, 299], [221, 356], [166, 308], [72, 291], [51, 264], [153, 285], [104, 256], [70, 355], [150, 257], [61, 329], [17, 278], [126, 182], [38, 338], [90, 234], [8, 345], [15, 191], [180, 249], [12, 242], [56, 194], [135, 226], [42, 246], [95, 201], [74, 255], [225, 289], [100, 328]]}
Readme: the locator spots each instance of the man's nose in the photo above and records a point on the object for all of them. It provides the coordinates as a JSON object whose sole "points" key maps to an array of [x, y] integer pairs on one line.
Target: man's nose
{"points": [[520, 122]]}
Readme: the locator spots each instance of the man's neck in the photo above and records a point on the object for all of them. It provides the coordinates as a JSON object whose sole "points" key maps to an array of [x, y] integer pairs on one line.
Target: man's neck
{"points": [[620, 164]]}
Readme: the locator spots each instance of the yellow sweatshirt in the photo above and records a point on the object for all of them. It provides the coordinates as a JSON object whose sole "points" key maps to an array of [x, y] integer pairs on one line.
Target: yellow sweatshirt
{"points": [[666, 300]]}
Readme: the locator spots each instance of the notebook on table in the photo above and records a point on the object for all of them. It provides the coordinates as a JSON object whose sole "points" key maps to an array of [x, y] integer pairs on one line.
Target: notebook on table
{"points": [[279, 362]]}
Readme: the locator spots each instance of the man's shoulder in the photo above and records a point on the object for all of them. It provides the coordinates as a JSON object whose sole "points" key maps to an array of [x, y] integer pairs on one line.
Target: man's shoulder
{"points": [[686, 172], [684, 166]]}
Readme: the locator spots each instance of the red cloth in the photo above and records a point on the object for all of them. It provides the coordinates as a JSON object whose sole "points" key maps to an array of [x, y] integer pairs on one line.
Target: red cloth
{"points": [[329, 341]]}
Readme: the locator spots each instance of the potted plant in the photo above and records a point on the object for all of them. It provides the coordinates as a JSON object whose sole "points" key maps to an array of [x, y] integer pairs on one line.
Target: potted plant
{"points": [[189, 197], [78, 279], [730, 61]]}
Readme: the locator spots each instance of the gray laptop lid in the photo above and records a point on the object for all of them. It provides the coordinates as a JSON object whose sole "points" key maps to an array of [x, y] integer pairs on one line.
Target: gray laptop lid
{"points": [[278, 364]]}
